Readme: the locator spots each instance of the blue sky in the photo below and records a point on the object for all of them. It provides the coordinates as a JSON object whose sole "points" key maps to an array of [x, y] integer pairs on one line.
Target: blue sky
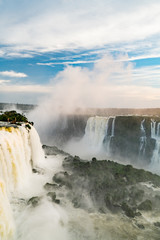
{"points": [[44, 44]]}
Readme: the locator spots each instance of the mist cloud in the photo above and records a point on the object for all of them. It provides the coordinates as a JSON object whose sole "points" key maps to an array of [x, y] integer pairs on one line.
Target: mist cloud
{"points": [[107, 84], [82, 87]]}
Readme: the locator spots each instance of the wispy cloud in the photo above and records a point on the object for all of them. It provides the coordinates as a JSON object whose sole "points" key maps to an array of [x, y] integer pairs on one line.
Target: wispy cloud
{"points": [[71, 25], [19, 55], [147, 76], [13, 74], [67, 62]]}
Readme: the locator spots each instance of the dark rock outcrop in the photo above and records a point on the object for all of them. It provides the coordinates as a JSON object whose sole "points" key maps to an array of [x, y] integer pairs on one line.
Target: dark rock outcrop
{"points": [[104, 185], [51, 186], [145, 205], [53, 150], [34, 201]]}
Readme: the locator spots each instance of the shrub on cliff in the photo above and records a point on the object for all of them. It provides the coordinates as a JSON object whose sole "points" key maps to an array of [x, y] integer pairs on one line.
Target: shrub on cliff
{"points": [[13, 116]]}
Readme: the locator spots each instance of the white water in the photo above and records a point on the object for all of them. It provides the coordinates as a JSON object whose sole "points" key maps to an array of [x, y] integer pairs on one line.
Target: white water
{"points": [[109, 137], [113, 127], [143, 140], [155, 134], [95, 132], [16, 157], [47, 221], [96, 140], [91, 144]]}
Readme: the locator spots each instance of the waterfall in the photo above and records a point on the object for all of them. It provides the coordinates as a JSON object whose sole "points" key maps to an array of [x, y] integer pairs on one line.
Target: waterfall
{"points": [[153, 129], [95, 131], [143, 140], [98, 135], [113, 127], [155, 134], [7, 228], [16, 158], [109, 135]]}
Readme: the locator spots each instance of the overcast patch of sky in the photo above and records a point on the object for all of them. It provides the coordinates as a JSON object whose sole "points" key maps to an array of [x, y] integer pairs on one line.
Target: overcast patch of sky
{"points": [[49, 25]]}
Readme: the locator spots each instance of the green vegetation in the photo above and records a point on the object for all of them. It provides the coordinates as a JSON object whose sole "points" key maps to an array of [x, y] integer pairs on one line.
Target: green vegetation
{"points": [[109, 185], [12, 117]]}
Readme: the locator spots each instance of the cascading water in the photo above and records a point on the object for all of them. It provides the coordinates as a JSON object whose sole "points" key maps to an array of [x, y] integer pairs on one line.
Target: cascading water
{"points": [[16, 157], [109, 135], [95, 132], [97, 138], [113, 127], [7, 227], [143, 140], [155, 134]]}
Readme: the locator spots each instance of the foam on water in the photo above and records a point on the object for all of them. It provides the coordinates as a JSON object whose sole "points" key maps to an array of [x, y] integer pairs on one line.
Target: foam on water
{"points": [[16, 158]]}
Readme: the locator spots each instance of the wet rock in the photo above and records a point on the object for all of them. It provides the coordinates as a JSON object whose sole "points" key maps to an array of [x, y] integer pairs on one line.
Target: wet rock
{"points": [[34, 201], [38, 170], [94, 159], [63, 178], [57, 201], [141, 226], [128, 210], [53, 150], [145, 205], [52, 195], [157, 224], [76, 203], [34, 170], [50, 186], [138, 214]]}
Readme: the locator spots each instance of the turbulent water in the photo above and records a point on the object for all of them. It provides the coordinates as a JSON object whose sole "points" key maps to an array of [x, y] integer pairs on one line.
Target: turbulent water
{"points": [[20, 151]]}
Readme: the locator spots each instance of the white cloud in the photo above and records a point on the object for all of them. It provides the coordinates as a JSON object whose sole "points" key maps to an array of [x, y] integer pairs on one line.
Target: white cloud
{"points": [[13, 74], [74, 24], [19, 55], [3, 81]]}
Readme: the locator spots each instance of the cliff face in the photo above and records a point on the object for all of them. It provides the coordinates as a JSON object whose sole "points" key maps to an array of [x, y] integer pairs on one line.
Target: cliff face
{"points": [[66, 128], [132, 138]]}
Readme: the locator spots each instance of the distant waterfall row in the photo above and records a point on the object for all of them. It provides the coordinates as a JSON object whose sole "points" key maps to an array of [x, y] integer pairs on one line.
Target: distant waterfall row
{"points": [[135, 138], [19, 149]]}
